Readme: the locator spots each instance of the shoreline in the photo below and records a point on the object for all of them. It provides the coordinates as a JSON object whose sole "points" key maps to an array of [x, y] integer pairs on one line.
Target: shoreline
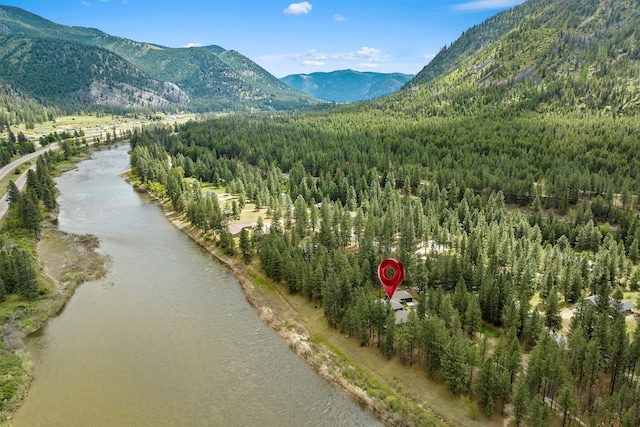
{"points": [[65, 283], [273, 306], [280, 314]]}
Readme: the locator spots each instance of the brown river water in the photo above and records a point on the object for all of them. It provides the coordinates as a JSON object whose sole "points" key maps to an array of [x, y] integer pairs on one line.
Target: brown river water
{"points": [[167, 338]]}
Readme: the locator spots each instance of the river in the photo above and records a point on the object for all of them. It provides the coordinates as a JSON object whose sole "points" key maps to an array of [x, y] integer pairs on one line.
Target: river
{"points": [[167, 338]]}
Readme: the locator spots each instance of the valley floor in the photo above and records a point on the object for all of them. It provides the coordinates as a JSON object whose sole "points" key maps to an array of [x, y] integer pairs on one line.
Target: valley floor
{"points": [[378, 383]]}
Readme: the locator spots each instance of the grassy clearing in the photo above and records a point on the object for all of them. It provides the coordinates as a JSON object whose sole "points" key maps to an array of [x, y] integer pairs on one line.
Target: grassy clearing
{"points": [[93, 125], [260, 281], [536, 301], [490, 331], [631, 296], [251, 214]]}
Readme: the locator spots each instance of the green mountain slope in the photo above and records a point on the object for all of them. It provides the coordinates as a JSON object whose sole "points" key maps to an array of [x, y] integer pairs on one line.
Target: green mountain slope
{"points": [[78, 74], [347, 85], [202, 79], [543, 55]]}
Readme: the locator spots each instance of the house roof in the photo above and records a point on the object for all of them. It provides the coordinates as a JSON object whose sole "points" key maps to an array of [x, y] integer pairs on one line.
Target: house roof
{"points": [[626, 305], [401, 316], [401, 296], [236, 227], [395, 305]]}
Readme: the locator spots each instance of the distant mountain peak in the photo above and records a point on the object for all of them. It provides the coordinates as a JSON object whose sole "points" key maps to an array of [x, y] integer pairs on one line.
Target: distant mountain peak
{"points": [[347, 85]]}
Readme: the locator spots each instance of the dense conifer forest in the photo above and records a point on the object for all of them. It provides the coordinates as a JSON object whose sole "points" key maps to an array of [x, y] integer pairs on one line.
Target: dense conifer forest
{"points": [[500, 221]]}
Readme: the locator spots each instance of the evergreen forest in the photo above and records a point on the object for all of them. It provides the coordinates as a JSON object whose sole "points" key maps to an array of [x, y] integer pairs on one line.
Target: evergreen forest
{"points": [[500, 220]]}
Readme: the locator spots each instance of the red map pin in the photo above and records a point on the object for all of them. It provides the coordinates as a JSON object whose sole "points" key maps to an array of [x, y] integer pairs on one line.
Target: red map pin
{"points": [[391, 273]]}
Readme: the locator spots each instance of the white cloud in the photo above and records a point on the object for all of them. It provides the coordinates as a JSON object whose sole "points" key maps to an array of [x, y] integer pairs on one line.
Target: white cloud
{"points": [[363, 58], [193, 45], [371, 54], [479, 5], [367, 54], [339, 18], [429, 56], [85, 3], [298, 8]]}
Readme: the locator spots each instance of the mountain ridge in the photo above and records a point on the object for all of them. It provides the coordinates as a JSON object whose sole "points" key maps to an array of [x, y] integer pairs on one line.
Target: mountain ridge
{"points": [[345, 86], [197, 78]]}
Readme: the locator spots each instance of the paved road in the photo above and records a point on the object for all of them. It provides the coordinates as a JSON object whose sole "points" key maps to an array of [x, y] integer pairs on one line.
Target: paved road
{"points": [[22, 179]]}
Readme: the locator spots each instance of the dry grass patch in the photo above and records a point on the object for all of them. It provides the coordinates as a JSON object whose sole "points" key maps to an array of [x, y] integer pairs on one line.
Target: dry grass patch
{"points": [[71, 259], [403, 382]]}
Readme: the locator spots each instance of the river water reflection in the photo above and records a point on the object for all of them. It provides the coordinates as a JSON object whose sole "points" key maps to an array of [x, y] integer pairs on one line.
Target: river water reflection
{"points": [[167, 338]]}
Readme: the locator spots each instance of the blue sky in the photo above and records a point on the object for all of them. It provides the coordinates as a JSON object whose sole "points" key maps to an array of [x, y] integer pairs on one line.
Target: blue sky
{"points": [[287, 37]]}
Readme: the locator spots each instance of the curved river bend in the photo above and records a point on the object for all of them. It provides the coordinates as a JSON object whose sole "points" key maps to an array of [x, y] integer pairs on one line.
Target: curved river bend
{"points": [[167, 338]]}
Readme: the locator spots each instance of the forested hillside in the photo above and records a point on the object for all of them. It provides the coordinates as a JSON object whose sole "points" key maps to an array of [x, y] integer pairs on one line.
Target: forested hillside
{"points": [[77, 75], [509, 200], [97, 70], [543, 55]]}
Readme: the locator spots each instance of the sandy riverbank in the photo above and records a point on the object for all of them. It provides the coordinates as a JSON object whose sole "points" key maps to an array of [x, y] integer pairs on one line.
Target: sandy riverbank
{"points": [[66, 261]]}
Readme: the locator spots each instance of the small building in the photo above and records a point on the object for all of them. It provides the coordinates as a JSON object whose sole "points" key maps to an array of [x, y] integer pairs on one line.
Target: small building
{"points": [[400, 312], [625, 307], [395, 305], [402, 316], [402, 296]]}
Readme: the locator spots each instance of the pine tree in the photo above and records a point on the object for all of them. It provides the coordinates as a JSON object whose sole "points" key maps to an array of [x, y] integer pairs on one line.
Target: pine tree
{"points": [[592, 368], [473, 316], [454, 364], [566, 399], [27, 278], [434, 341], [3, 291], [487, 385], [521, 400], [34, 183], [553, 320], [13, 194], [539, 413], [258, 232], [301, 217], [246, 248], [461, 297], [30, 212], [388, 344], [331, 298]]}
